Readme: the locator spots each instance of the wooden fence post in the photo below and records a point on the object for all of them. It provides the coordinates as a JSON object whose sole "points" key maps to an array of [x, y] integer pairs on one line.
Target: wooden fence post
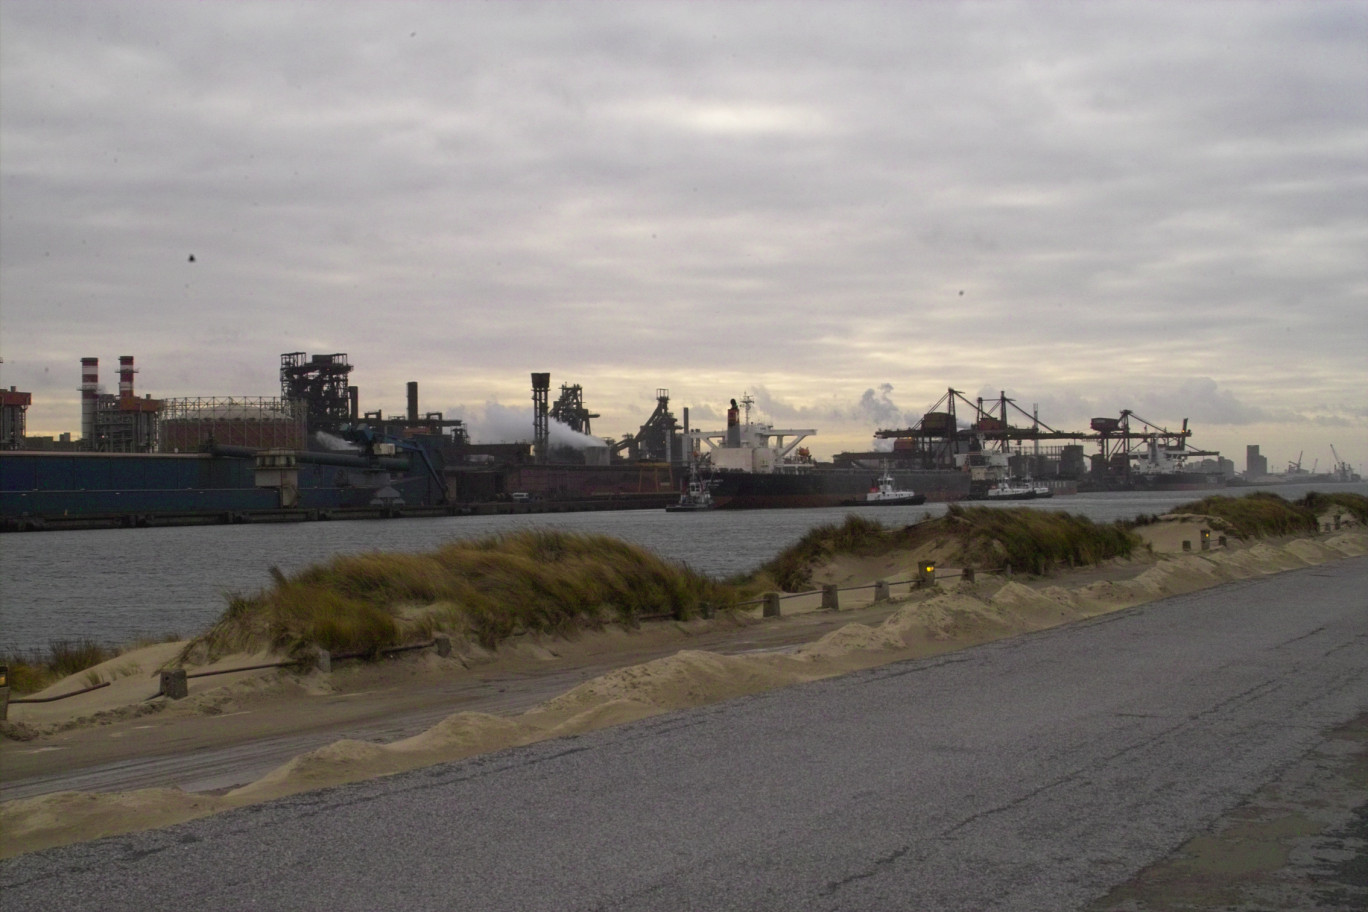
{"points": [[174, 684]]}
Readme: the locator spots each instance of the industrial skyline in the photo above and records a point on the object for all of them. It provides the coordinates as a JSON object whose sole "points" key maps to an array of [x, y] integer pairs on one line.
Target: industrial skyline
{"points": [[841, 209]]}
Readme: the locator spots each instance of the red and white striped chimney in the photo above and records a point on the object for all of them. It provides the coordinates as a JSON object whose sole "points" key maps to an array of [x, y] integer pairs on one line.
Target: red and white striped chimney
{"points": [[126, 372], [90, 391]]}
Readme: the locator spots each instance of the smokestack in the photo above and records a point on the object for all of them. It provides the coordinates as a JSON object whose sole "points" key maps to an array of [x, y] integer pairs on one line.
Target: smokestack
{"points": [[541, 428], [413, 401], [354, 402], [733, 426], [126, 372], [90, 391]]}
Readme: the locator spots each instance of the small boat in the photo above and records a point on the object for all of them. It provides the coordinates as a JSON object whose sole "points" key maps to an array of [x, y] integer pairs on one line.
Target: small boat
{"points": [[883, 494], [1006, 490], [697, 496]]}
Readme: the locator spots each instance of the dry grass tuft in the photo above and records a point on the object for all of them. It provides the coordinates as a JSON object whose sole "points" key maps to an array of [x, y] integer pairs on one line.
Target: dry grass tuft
{"points": [[1028, 541], [1343, 502], [1254, 515], [30, 672], [487, 589]]}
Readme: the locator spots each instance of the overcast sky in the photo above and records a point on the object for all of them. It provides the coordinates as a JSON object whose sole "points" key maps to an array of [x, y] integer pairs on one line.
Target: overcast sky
{"points": [[841, 208]]}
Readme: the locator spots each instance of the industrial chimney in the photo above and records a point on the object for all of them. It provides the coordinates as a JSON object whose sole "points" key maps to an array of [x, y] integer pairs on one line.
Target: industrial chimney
{"points": [[126, 372], [90, 392], [541, 428]]}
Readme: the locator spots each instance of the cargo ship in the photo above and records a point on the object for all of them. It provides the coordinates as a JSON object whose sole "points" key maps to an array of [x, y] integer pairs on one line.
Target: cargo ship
{"points": [[754, 465], [1158, 467]]}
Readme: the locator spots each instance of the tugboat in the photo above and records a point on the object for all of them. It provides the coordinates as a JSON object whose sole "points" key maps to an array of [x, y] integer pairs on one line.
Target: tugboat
{"points": [[1006, 490], [883, 494], [697, 495]]}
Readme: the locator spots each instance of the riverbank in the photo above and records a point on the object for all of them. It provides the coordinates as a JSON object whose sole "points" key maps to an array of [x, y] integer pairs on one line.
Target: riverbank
{"points": [[541, 687]]}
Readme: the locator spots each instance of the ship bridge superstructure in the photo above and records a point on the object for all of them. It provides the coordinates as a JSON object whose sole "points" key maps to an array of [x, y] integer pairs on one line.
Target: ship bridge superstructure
{"points": [[747, 446]]}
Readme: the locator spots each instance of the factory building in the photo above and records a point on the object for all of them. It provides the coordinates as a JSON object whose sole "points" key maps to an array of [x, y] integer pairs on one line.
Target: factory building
{"points": [[117, 423]]}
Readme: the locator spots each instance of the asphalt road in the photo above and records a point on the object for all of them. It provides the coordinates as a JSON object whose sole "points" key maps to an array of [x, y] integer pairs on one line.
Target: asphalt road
{"points": [[1034, 773]]}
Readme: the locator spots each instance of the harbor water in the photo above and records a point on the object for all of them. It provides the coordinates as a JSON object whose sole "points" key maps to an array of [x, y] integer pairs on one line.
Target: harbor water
{"points": [[124, 585]]}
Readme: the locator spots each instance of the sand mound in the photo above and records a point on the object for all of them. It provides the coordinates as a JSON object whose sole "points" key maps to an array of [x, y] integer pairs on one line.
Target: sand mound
{"points": [[468, 732], [1348, 544], [1023, 608], [1105, 596], [687, 678], [1178, 575], [61, 818], [1275, 557], [599, 715], [333, 764], [852, 638], [1313, 552]]}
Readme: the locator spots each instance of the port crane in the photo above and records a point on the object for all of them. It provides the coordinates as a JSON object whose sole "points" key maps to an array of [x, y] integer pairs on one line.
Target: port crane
{"points": [[1342, 471], [935, 439]]}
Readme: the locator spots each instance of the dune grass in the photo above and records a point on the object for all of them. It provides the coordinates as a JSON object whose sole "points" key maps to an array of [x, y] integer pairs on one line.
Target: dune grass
{"points": [[1028, 541], [31, 671], [1255, 515], [1342, 502], [486, 590], [791, 569], [1036, 541]]}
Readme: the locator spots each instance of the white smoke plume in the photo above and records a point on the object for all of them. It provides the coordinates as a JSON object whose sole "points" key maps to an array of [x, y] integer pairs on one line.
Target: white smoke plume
{"points": [[333, 442], [495, 423]]}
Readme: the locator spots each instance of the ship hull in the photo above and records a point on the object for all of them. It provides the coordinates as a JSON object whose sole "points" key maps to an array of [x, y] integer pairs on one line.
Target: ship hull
{"points": [[824, 488], [1172, 481], [911, 500]]}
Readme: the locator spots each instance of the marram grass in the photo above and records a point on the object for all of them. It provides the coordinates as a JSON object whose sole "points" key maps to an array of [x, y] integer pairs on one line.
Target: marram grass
{"points": [[1035, 541], [1345, 503], [1255, 515], [1028, 541], [487, 589], [32, 670]]}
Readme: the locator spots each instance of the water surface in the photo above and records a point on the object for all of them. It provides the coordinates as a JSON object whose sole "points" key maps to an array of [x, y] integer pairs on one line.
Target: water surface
{"points": [[121, 585]]}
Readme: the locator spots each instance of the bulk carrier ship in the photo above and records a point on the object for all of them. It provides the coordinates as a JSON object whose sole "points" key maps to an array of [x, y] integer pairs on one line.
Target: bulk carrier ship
{"points": [[754, 465]]}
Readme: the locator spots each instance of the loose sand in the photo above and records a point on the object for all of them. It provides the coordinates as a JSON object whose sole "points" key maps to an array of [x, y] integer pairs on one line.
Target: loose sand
{"points": [[916, 623]]}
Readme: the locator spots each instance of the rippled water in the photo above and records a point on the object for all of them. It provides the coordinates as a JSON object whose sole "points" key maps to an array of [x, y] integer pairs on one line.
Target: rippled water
{"points": [[120, 585]]}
